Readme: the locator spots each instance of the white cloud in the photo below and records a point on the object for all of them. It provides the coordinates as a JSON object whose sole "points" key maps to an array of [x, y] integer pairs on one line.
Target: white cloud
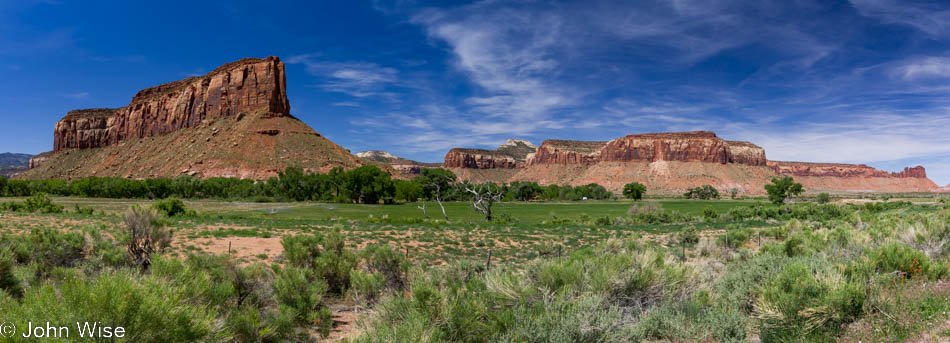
{"points": [[358, 79], [346, 104], [509, 54], [928, 67], [77, 95], [931, 18]]}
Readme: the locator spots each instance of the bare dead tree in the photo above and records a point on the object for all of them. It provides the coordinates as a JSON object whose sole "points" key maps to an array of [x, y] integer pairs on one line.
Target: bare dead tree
{"points": [[146, 235], [438, 199], [484, 196], [423, 208]]}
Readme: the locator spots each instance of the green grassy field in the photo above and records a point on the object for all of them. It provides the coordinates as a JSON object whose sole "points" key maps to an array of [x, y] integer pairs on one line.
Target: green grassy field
{"points": [[461, 212], [682, 264]]}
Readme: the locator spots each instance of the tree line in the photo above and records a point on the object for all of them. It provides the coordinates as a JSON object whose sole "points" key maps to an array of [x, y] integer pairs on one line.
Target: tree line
{"points": [[366, 185]]}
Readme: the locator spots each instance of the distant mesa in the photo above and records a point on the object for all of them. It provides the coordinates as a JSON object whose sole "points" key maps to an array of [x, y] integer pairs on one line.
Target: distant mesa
{"points": [[404, 168], [512, 154], [234, 121], [670, 163]]}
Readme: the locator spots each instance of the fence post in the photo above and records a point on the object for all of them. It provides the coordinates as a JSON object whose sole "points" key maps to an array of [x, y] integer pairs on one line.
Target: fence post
{"points": [[488, 260]]}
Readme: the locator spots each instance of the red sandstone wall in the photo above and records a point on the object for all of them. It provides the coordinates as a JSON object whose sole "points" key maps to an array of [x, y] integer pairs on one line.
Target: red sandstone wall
{"points": [[248, 85]]}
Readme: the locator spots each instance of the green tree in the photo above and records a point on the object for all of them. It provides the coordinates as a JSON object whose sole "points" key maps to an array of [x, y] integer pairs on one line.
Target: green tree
{"points": [[634, 190], [705, 192], [524, 191], [3, 185], [781, 188], [368, 185], [408, 191], [292, 183]]}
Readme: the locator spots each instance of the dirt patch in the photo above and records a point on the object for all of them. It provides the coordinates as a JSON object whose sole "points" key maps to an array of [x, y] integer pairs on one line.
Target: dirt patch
{"points": [[247, 248], [344, 324]]}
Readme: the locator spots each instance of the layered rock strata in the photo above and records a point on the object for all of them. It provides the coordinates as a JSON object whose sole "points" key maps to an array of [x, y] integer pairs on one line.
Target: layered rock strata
{"points": [[246, 86]]}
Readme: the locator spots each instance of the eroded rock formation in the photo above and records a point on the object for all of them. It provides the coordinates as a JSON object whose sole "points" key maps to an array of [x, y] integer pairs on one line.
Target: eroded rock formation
{"points": [[512, 154], [251, 85], [233, 122], [671, 162], [842, 170]]}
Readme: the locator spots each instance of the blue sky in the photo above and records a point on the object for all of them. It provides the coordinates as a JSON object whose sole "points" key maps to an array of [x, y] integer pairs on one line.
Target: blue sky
{"points": [[860, 81]]}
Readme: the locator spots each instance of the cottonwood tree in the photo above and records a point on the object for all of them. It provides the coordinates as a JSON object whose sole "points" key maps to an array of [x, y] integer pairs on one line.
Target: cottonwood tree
{"points": [[484, 196], [780, 189], [634, 190], [436, 182]]}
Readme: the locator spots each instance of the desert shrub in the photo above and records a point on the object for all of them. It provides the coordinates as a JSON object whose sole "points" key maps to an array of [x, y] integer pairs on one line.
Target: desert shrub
{"points": [[300, 292], [365, 288], [11, 206], [689, 235], [794, 246], [46, 247], [738, 287], [83, 210], [390, 264], [325, 255], [930, 234], [735, 237], [899, 260], [38, 202], [172, 207], [103, 250], [300, 250], [151, 309], [741, 213], [587, 319], [710, 213], [335, 262], [9, 282], [823, 198], [147, 235], [807, 300], [604, 221]]}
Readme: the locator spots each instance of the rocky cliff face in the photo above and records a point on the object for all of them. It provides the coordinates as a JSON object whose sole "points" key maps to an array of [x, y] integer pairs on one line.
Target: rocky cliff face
{"points": [[671, 162], [842, 170], [556, 151], [233, 122], [698, 146], [511, 154], [251, 85]]}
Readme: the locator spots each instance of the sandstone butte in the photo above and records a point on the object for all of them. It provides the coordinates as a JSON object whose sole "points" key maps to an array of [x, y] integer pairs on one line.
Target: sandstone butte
{"points": [[670, 163], [234, 121]]}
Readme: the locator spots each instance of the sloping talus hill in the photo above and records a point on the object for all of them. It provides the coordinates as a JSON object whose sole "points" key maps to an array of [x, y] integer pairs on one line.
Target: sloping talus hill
{"points": [[670, 163], [234, 121]]}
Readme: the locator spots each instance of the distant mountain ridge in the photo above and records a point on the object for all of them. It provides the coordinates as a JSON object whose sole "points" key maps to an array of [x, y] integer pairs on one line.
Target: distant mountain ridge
{"points": [[405, 167], [14, 159], [12, 164]]}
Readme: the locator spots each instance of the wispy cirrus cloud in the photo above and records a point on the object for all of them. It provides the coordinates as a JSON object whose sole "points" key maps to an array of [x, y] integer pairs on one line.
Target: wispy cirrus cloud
{"points": [[77, 95], [924, 68], [358, 79], [932, 18]]}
